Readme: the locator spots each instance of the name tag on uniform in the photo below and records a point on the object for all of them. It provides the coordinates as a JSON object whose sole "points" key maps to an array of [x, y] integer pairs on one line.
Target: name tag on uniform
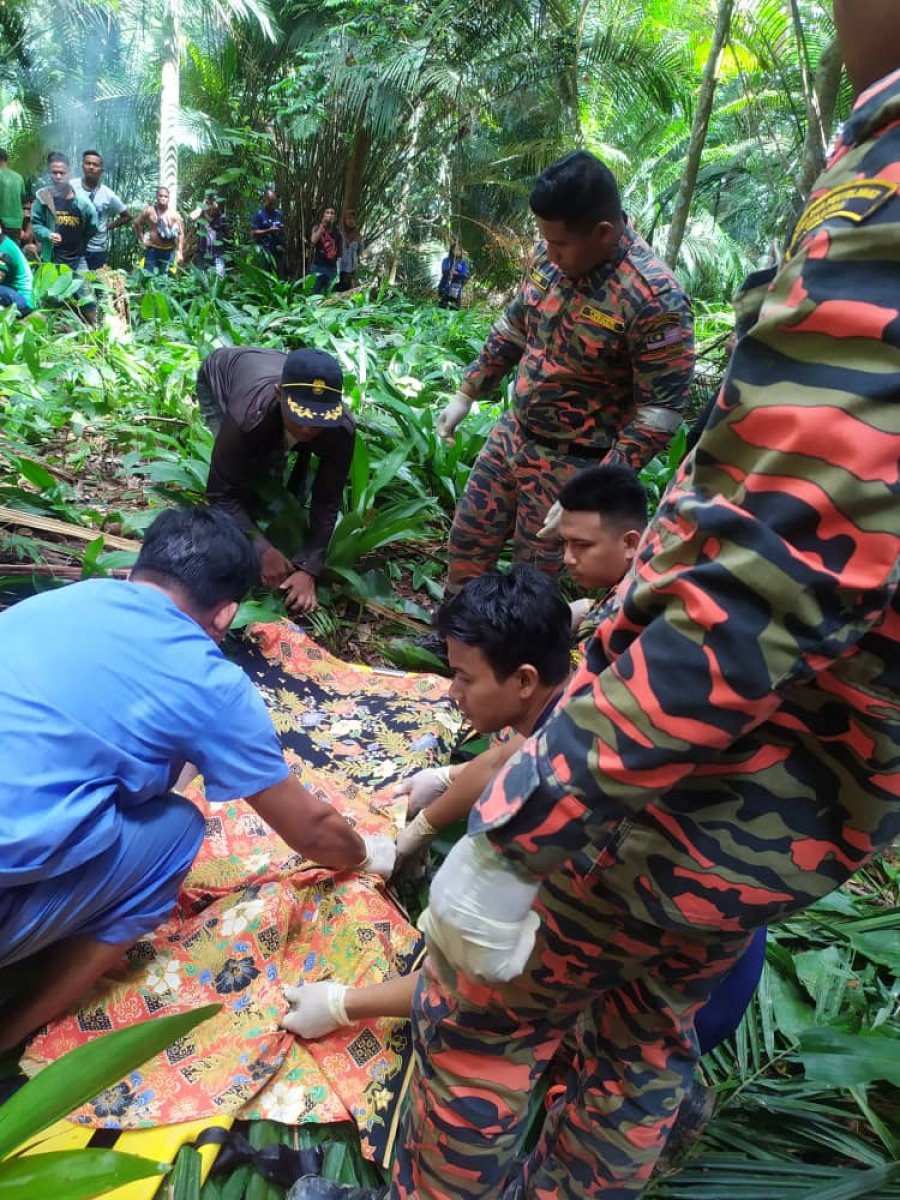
{"points": [[854, 202], [539, 279], [596, 316]]}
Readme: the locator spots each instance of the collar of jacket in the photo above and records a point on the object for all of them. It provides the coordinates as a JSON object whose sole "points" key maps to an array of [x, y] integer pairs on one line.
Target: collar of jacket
{"points": [[876, 107]]}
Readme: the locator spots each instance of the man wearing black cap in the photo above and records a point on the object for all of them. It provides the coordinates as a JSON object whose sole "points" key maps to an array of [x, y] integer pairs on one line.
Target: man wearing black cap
{"points": [[262, 405]]}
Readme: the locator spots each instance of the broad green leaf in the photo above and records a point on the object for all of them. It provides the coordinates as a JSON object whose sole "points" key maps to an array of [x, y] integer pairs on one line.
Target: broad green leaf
{"points": [[72, 1174], [84, 1072], [790, 1013], [36, 474], [883, 948], [830, 1056]]}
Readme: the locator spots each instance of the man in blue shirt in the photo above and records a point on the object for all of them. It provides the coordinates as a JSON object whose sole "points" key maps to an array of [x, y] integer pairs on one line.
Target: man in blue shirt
{"points": [[267, 231], [107, 690]]}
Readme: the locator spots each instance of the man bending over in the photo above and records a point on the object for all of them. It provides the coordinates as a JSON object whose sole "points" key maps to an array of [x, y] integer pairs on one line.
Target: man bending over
{"points": [[107, 689]]}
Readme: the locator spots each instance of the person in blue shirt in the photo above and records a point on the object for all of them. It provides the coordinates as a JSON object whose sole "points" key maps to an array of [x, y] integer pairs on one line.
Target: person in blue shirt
{"points": [[107, 690], [454, 273], [267, 231]]}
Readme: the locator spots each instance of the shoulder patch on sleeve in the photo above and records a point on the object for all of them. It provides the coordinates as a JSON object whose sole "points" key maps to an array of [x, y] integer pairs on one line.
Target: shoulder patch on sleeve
{"points": [[663, 330], [854, 202]]}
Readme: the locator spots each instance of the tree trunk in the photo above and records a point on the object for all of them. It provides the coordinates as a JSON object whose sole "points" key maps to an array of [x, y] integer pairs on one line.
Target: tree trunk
{"points": [[401, 229], [821, 105], [356, 165], [699, 130], [170, 99]]}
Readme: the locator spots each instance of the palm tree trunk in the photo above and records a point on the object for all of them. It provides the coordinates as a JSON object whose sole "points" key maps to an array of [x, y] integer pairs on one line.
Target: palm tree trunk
{"points": [[699, 130], [170, 99], [356, 164], [401, 226], [821, 106]]}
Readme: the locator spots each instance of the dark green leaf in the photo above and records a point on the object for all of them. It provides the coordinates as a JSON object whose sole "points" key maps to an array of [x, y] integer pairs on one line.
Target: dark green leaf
{"points": [[72, 1174]]}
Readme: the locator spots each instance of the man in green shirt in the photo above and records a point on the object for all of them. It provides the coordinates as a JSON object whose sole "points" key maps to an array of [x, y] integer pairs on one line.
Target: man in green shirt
{"points": [[15, 274], [12, 197]]}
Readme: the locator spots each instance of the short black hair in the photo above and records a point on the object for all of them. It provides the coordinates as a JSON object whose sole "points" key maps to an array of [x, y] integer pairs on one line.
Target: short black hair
{"points": [[578, 190], [612, 491], [4, 157], [202, 552], [91, 153], [513, 618]]}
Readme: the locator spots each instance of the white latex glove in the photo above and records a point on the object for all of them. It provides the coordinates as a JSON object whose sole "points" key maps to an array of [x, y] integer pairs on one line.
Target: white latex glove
{"points": [[316, 1009], [579, 610], [381, 855], [423, 787], [550, 527], [416, 836], [456, 410], [479, 914]]}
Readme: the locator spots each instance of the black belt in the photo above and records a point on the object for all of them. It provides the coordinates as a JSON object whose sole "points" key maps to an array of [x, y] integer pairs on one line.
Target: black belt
{"points": [[574, 449]]}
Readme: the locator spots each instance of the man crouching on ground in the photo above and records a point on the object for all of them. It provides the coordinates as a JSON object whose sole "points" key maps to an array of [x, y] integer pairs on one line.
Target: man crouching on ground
{"points": [[107, 689]]}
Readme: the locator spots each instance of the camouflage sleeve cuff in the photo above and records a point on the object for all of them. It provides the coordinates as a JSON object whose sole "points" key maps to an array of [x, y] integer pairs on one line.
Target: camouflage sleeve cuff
{"points": [[530, 816]]}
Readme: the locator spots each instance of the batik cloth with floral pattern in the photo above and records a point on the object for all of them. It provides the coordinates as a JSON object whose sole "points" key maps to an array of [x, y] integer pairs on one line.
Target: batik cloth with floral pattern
{"points": [[253, 916]]}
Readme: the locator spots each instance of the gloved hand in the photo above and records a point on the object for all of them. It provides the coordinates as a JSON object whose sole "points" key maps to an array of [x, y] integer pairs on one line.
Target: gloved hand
{"points": [[423, 787], [381, 855], [316, 1009], [479, 914], [550, 527], [579, 610], [416, 836], [456, 410]]}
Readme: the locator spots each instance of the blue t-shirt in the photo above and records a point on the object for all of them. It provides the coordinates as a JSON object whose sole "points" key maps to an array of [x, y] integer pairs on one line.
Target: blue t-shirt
{"points": [[106, 689], [263, 219]]}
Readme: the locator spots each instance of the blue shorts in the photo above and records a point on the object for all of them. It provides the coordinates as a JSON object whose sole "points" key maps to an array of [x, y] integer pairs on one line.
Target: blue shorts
{"points": [[158, 260], [117, 897], [725, 1008]]}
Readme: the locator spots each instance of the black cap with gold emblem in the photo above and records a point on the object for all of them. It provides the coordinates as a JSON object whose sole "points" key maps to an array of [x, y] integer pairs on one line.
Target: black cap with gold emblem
{"points": [[311, 389]]}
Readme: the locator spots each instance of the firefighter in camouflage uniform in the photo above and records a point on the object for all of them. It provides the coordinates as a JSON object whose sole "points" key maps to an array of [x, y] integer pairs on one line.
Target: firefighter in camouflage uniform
{"points": [[601, 336]]}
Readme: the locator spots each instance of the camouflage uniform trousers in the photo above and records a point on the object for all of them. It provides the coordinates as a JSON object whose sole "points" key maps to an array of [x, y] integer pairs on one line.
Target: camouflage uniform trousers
{"points": [[513, 483], [628, 990]]}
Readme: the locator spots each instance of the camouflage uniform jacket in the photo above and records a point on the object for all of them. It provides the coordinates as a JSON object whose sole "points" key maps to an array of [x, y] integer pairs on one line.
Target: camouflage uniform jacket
{"points": [[730, 749], [603, 360]]}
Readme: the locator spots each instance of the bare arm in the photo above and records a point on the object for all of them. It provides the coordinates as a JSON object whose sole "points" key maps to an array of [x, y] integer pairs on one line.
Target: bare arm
{"points": [[468, 782], [313, 829], [316, 236], [393, 998], [139, 225]]}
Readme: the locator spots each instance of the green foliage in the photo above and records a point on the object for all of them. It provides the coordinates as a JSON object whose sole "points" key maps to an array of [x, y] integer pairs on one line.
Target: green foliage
{"points": [[806, 1088], [66, 1084]]}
